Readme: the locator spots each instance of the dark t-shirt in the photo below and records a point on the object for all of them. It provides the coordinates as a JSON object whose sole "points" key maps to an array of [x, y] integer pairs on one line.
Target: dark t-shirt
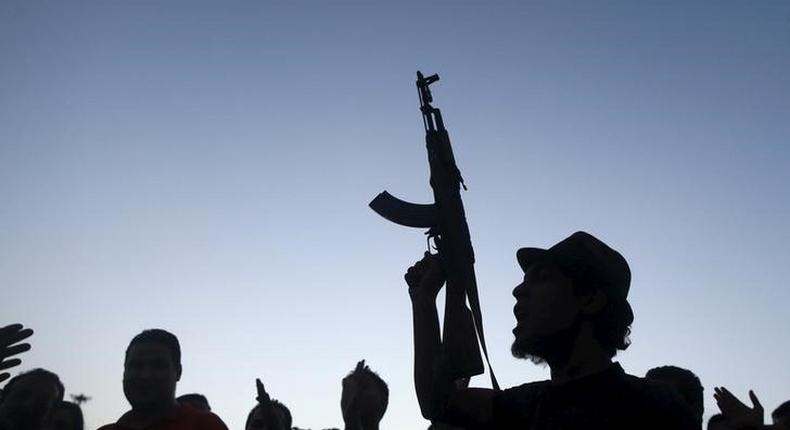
{"points": [[184, 417], [609, 400]]}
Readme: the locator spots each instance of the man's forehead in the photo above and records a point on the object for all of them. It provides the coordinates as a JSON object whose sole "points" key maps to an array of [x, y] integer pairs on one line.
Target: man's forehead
{"points": [[148, 349], [537, 266]]}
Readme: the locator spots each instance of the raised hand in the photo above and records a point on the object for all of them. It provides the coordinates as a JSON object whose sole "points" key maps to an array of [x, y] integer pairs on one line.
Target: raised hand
{"points": [[736, 411], [426, 277], [263, 396], [268, 418], [10, 335], [353, 384]]}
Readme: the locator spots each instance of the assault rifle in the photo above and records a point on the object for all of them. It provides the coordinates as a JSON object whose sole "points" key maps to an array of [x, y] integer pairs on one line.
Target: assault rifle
{"points": [[446, 223]]}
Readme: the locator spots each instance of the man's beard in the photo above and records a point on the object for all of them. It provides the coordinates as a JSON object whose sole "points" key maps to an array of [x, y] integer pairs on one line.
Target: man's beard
{"points": [[547, 348]]}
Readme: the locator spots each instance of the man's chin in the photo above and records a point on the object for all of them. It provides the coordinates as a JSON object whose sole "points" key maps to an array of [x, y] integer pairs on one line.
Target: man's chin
{"points": [[528, 350], [145, 404]]}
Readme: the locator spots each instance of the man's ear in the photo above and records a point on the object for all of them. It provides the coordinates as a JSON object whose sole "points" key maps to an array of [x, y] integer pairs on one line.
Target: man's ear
{"points": [[595, 303], [178, 372]]}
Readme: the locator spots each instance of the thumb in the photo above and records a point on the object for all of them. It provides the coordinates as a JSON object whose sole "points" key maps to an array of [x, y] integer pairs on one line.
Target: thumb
{"points": [[755, 400]]}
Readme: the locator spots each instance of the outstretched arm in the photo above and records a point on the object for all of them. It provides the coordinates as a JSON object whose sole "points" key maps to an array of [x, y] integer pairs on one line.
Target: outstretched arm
{"points": [[437, 395]]}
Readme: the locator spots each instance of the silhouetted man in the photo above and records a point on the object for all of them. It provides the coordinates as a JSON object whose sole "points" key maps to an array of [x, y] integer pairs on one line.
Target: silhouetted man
{"points": [[364, 399], [572, 313], [65, 416], [686, 383], [197, 401], [257, 419], [28, 399], [268, 414], [152, 367]]}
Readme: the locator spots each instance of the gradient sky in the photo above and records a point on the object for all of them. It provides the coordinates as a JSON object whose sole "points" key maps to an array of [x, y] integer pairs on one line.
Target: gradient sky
{"points": [[205, 167]]}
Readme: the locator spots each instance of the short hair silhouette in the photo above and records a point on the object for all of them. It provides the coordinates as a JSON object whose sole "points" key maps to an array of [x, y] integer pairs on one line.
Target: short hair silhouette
{"points": [[277, 405], [162, 337], [363, 371], [39, 373], [74, 411], [782, 412], [685, 382], [368, 379], [288, 420], [196, 400]]}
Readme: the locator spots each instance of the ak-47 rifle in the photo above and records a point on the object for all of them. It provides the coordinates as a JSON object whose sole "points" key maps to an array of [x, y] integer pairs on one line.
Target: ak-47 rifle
{"points": [[445, 220]]}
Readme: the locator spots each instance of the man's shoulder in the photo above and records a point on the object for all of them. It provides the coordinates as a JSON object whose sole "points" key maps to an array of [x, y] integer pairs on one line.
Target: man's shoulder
{"points": [[520, 394], [201, 419], [116, 425], [212, 421], [529, 387]]}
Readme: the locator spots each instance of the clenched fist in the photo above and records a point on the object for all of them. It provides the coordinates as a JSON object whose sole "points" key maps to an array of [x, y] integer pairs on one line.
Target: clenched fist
{"points": [[426, 277]]}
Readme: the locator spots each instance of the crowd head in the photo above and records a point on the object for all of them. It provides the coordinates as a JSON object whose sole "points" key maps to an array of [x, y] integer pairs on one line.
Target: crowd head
{"points": [[152, 367], [364, 398], [29, 398], [577, 286], [256, 419], [781, 416], [197, 401], [685, 383], [65, 416]]}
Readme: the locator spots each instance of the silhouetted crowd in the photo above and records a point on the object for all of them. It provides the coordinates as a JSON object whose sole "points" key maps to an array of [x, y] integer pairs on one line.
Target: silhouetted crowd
{"points": [[572, 314]]}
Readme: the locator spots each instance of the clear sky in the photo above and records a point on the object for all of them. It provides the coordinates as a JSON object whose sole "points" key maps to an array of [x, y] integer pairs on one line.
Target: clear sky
{"points": [[205, 167]]}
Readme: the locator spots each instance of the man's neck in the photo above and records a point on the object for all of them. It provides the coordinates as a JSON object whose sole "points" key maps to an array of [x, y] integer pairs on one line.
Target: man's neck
{"points": [[586, 357], [145, 417]]}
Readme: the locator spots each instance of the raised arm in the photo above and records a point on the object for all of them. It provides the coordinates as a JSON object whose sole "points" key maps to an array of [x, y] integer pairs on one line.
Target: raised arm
{"points": [[439, 398]]}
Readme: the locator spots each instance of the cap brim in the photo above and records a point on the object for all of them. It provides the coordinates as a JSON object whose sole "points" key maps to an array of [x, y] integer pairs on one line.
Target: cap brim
{"points": [[527, 256]]}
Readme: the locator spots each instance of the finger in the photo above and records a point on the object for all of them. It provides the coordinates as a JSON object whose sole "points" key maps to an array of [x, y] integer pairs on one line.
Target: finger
{"points": [[14, 350], [725, 393], [755, 400], [10, 328], [10, 337], [7, 364]]}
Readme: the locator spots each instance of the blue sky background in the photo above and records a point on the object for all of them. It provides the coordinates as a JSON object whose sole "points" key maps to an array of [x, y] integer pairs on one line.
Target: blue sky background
{"points": [[205, 167]]}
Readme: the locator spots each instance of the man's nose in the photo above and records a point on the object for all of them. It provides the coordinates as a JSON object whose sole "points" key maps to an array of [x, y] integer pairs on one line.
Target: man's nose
{"points": [[146, 372], [520, 290]]}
